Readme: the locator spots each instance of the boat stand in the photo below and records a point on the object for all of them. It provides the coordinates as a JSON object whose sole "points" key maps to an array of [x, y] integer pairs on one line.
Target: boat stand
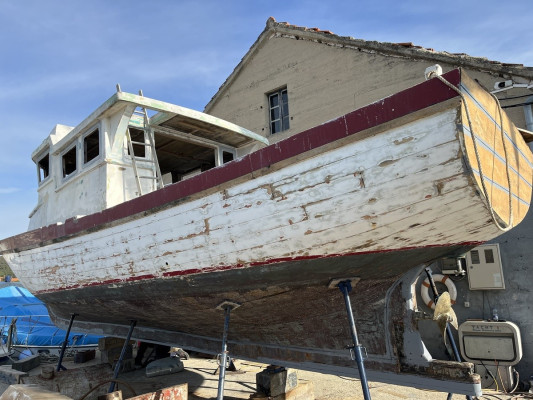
{"points": [[227, 306], [121, 358], [449, 334], [64, 345], [345, 286]]}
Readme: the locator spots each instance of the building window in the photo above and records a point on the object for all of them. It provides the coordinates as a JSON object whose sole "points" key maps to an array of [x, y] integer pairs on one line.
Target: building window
{"points": [[68, 161], [91, 146], [44, 167], [278, 103]]}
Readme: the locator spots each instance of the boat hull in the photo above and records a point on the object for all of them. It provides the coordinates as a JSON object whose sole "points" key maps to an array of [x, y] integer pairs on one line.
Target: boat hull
{"points": [[371, 195]]}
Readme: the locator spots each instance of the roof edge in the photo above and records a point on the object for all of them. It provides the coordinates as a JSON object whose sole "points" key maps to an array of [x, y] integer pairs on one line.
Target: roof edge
{"points": [[396, 49]]}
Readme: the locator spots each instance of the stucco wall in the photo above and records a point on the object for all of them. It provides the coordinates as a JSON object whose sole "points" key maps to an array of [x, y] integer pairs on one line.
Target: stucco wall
{"points": [[324, 82]]}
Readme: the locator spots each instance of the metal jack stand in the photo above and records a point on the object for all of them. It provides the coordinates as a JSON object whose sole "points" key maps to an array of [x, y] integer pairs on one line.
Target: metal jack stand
{"points": [[345, 286], [227, 306], [449, 334], [65, 342], [121, 358]]}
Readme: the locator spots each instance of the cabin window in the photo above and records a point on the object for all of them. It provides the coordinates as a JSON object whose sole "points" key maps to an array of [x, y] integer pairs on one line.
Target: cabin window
{"points": [[137, 139], [68, 161], [43, 166], [91, 146], [278, 103], [226, 157]]}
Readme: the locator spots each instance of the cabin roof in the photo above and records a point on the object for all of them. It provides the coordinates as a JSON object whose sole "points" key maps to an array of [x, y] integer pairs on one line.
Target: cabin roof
{"points": [[182, 119], [406, 49]]}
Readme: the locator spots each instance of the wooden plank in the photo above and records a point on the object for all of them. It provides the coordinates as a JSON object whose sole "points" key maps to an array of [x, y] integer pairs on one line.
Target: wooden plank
{"points": [[176, 392], [496, 159]]}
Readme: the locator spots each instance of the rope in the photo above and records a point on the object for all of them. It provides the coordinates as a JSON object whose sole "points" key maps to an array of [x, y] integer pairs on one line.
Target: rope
{"points": [[481, 175]]}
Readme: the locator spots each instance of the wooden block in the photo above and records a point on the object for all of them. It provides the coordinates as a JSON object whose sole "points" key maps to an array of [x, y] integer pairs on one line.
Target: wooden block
{"points": [[177, 392]]}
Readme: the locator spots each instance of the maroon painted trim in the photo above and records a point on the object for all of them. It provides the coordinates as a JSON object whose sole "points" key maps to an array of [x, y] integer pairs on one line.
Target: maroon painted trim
{"points": [[193, 271], [398, 105]]}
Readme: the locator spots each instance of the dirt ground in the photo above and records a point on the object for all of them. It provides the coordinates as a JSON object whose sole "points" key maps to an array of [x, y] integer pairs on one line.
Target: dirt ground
{"points": [[202, 379]]}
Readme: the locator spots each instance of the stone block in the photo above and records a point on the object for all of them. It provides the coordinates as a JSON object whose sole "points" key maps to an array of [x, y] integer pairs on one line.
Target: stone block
{"points": [[26, 364], [303, 391], [164, 366], [111, 355], [33, 392], [84, 356], [128, 364], [274, 381], [107, 343], [10, 376]]}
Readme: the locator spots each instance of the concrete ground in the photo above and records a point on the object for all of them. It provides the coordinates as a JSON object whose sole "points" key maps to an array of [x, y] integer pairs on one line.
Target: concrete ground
{"points": [[202, 380]]}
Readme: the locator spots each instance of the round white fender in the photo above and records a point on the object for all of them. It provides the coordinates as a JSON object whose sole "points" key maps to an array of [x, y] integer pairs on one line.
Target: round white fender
{"points": [[424, 289]]}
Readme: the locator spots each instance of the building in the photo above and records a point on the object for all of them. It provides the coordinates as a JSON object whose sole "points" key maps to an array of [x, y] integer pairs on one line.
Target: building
{"points": [[294, 78]]}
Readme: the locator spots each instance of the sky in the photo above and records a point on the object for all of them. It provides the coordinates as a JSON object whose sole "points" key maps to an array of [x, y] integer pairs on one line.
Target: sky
{"points": [[59, 60]]}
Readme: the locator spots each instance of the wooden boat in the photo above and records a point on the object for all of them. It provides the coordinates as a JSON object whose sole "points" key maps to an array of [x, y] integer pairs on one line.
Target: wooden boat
{"points": [[431, 171]]}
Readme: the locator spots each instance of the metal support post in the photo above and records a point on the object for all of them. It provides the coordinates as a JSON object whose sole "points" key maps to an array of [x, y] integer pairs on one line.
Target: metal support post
{"points": [[64, 345], [224, 354], [121, 358], [227, 306], [449, 334], [345, 287]]}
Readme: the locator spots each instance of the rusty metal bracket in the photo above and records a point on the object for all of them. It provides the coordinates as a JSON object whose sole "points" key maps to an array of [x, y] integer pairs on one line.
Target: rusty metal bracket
{"points": [[334, 283]]}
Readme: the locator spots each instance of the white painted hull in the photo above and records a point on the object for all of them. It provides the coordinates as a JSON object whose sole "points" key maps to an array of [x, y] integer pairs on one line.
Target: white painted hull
{"points": [[371, 195]]}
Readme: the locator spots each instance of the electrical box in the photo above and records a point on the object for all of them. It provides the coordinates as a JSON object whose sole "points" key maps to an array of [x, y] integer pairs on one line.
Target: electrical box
{"points": [[494, 347], [490, 342], [484, 268]]}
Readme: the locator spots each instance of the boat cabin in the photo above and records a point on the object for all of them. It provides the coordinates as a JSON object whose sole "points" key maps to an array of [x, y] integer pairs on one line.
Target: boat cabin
{"points": [[131, 145]]}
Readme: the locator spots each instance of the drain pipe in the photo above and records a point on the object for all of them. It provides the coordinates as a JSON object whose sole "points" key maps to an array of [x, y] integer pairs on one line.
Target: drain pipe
{"points": [[528, 115]]}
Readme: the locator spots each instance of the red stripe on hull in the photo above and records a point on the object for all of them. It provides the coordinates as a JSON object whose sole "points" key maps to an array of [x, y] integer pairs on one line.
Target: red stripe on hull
{"points": [[252, 264]]}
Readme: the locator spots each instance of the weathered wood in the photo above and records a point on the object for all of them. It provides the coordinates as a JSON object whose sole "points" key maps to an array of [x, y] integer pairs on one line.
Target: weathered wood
{"points": [[498, 157], [177, 392]]}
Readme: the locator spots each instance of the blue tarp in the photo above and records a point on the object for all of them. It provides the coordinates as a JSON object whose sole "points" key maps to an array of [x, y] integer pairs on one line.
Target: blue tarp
{"points": [[33, 326]]}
